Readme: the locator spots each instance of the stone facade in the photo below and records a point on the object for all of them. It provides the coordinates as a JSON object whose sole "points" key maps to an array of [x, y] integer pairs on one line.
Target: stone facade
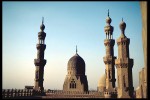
{"points": [[49, 94], [141, 91], [124, 66]]}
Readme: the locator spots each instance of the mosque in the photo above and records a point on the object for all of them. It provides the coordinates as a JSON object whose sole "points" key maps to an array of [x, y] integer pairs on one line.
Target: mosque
{"points": [[76, 83], [76, 80]]}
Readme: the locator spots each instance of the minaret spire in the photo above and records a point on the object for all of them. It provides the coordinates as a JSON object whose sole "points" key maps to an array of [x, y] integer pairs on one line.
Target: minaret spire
{"points": [[76, 49], [42, 27], [42, 20], [108, 28], [108, 12]]}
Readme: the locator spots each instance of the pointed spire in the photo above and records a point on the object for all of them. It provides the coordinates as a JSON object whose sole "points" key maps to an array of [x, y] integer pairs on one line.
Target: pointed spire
{"points": [[42, 27], [76, 49], [122, 19], [42, 20], [108, 12], [108, 19], [108, 28]]}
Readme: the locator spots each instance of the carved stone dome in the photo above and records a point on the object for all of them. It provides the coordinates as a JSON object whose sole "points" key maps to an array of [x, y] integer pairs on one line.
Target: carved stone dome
{"points": [[76, 64], [102, 81]]}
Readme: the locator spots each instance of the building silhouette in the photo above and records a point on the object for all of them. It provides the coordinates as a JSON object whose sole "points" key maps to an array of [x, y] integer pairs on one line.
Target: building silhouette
{"points": [[76, 83], [40, 61]]}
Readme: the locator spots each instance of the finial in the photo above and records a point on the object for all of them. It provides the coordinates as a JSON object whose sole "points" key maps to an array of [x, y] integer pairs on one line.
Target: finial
{"points": [[42, 20], [108, 19], [42, 27], [122, 27], [108, 12], [76, 49]]}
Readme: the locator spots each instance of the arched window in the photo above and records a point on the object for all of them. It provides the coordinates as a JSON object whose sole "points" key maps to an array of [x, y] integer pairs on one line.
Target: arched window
{"points": [[72, 84]]}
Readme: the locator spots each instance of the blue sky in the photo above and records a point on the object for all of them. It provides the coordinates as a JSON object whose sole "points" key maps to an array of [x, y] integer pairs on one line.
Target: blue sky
{"points": [[67, 24]]}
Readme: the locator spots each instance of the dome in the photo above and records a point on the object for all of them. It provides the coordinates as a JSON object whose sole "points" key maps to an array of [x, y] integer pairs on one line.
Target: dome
{"points": [[108, 20], [137, 88], [76, 64], [122, 25], [42, 27], [102, 81]]}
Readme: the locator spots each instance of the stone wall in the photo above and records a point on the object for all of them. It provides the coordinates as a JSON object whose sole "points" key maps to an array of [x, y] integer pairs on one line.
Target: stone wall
{"points": [[26, 93]]}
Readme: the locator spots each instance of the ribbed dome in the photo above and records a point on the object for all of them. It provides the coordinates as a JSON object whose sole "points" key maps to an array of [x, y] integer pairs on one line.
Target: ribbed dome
{"points": [[102, 81], [76, 64]]}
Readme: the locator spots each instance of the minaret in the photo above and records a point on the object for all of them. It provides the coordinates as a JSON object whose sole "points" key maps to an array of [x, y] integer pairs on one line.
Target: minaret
{"points": [[40, 61], [109, 59], [124, 65]]}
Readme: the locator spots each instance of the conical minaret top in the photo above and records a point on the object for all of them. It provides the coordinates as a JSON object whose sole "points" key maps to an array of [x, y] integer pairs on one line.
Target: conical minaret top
{"points": [[42, 27], [122, 28], [108, 28]]}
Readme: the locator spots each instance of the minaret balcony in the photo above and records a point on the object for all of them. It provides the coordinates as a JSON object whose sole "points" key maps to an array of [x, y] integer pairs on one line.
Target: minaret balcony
{"points": [[39, 62], [109, 42], [124, 63], [123, 60], [41, 35], [41, 46], [109, 60], [123, 40]]}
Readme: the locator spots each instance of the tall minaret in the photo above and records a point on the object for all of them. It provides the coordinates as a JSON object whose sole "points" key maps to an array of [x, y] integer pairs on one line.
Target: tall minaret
{"points": [[40, 61], [109, 59], [124, 66]]}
